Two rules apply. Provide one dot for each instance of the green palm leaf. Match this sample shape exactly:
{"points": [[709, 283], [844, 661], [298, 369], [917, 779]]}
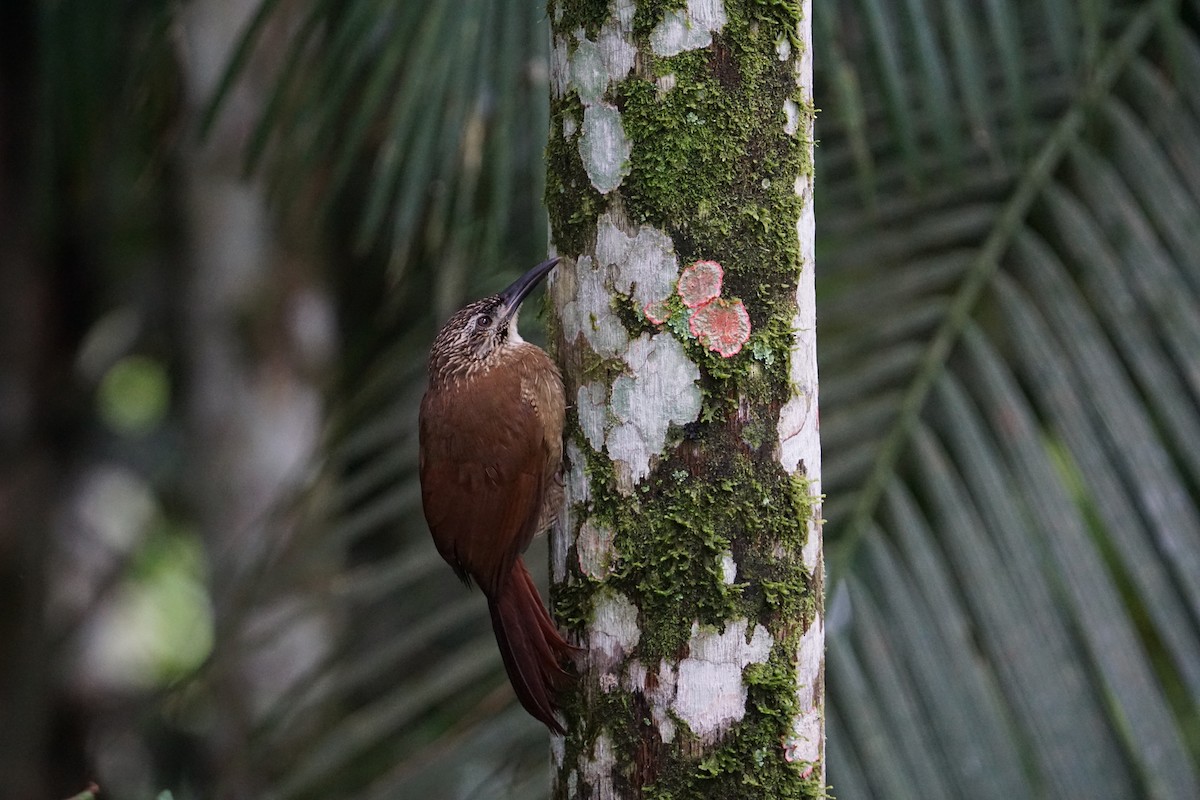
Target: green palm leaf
{"points": [[1020, 502]]}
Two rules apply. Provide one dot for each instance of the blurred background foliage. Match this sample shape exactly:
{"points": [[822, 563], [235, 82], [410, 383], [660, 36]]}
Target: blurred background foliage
{"points": [[229, 229]]}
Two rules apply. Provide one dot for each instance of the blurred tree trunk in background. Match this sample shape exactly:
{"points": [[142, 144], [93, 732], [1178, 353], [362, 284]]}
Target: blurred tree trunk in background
{"points": [[257, 335], [30, 368], [689, 562]]}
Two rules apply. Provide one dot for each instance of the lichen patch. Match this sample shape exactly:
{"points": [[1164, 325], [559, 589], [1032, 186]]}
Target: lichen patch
{"points": [[592, 408], [709, 693], [650, 266], [700, 282], [616, 41], [645, 261], [588, 313], [594, 549], [598, 769], [604, 148], [791, 114], [728, 568], [659, 390], [658, 694], [575, 481], [804, 743], [588, 73], [689, 29], [613, 631], [559, 67], [721, 325]]}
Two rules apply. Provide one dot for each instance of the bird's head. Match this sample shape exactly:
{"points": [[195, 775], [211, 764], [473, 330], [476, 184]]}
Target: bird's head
{"points": [[478, 331]]}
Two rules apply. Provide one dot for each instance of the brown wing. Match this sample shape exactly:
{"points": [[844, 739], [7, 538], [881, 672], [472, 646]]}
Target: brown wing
{"points": [[482, 475]]}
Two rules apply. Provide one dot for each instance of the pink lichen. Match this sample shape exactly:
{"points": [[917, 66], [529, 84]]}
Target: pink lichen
{"points": [[700, 283], [792, 749], [657, 311], [722, 326]]}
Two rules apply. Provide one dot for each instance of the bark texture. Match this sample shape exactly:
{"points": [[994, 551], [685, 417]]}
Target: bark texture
{"points": [[688, 562]]}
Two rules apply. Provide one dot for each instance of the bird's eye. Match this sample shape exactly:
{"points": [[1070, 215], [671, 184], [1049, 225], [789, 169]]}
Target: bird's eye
{"points": [[483, 321]]}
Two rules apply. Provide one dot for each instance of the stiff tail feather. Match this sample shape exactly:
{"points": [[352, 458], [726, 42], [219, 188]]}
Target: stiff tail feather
{"points": [[531, 646]]}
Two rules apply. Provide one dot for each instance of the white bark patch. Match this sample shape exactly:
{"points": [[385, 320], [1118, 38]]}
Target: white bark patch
{"points": [[595, 65], [622, 13], [660, 390], [664, 84], [559, 543], [709, 693], [589, 312], [570, 125], [645, 261], [559, 67], [616, 39], [594, 548], [611, 240], [728, 568], [588, 73], [576, 485], [659, 698], [614, 630], [577, 480], [791, 113], [799, 420], [688, 29], [805, 742], [592, 407], [649, 269], [558, 750], [598, 769], [604, 147], [799, 433]]}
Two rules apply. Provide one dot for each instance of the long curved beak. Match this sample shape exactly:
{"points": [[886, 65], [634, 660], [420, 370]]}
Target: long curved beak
{"points": [[522, 286]]}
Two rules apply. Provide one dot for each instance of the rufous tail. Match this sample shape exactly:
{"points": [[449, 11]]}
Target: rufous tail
{"points": [[531, 646]]}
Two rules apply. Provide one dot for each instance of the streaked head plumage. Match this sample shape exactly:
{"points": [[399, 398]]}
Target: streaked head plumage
{"points": [[479, 332]]}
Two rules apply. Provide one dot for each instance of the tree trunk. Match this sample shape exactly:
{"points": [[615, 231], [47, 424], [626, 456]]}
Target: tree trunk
{"points": [[32, 365], [258, 330], [688, 559]]}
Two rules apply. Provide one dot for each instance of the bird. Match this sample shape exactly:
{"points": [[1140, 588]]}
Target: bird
{"points": [[490, 434]]}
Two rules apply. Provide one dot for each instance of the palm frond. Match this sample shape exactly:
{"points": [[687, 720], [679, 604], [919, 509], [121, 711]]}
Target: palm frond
{"points": [[397, 107], [1011, 502]]}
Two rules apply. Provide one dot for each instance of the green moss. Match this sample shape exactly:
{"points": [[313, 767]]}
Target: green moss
{"points": [[650, 12], [614, 714], [671, 535], [671, 544], [781, 17], [573, 602], [596, 368], [712, 165], [804, 502], [571, 200], [587, 14]]}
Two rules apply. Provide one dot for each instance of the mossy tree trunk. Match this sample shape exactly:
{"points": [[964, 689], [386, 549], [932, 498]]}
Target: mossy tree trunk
{"points": [[688, 560]]}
